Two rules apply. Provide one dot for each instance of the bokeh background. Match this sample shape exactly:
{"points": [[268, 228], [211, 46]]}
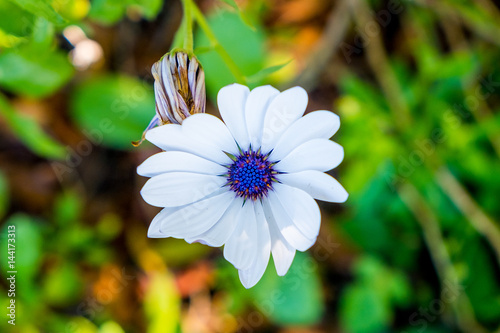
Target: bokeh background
{"points": [[416, 247]]}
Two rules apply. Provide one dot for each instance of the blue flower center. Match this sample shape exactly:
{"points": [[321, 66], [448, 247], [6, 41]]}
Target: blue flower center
{"points": [[251, 175]]}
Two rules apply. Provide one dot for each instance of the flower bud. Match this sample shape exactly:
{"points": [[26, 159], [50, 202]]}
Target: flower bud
{"points": [[179, 89]]}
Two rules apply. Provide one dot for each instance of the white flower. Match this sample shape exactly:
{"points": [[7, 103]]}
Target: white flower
{"points": [[247, 183]]}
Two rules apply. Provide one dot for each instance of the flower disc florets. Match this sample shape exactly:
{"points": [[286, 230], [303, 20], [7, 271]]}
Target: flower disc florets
{"points": [[251, 175]]}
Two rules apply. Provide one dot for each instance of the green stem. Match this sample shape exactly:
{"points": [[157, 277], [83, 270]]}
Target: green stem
{"points": [[178, 42], [188, 19], [200, 19]]}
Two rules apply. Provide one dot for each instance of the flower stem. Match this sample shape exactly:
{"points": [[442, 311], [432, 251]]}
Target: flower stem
{"points": [[200, 19], [188, 25]]}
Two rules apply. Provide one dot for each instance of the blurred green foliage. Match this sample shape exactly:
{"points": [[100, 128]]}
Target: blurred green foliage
{"points": [[372, 297], [296, 298], [112, 11], [421, 138], [30, 132], [116, 108], [230, 31]]}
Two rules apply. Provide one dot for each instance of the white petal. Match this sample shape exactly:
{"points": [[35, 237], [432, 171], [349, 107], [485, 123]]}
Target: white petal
{"points": [[283, 253], [275, 213], [241, 248], [172, 137], [154, 228], [231, 102], [195, 218], [221, 231], [314, 125], [284, 109], [205, 127], [179, 188], [171, 161], [301, 208], [255, 110], [317, 184], [251, 276], [317, 154]]}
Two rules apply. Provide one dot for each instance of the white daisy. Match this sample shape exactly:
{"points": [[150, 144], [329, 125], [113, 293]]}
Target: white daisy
{"points": [[247, 183]]}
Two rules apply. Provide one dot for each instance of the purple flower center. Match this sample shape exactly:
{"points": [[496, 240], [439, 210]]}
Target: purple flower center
{"points": [[251, 175]]}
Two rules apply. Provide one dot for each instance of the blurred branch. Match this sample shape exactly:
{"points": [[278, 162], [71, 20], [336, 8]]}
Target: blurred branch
{"points": [[482, 27], [464, 314], [466, 204], [378, 61], [334, 33], [482, 113], [490, 7]]}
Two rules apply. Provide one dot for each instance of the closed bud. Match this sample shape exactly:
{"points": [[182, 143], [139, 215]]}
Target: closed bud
{"points": [[179, 89]]}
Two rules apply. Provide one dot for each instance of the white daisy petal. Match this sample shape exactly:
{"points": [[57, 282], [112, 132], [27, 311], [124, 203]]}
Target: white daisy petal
{"points": [[179, 188], [283, 110], [221, 231], [317, 184], [196, 218], [172, 137], [275, 213], [314, 125], [283, 253], [301, 208], [251, 276], [231, 101], [317, 154], [241, 248], [171, 161], [255, 110], [206, 127], [154, 227]]}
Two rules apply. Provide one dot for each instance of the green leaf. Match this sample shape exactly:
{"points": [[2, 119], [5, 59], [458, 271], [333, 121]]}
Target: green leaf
{"points": [[294, 299], [19, 22], [362, 311], [30, 133], [43, 33], [372, 297], [148, 8], [40, 8], [108, 11], [110, 327], [28, 246], [380, 217], [33, 72], [62, 284], [263, 74], [231, 3], [482, 289], [244, 17], [8, 40], [113, 110], [230, 32], [67, 208]]}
